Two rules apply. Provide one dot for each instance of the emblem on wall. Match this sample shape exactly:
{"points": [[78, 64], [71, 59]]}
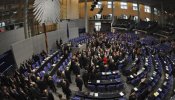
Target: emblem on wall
{"points": [[47, 11]]}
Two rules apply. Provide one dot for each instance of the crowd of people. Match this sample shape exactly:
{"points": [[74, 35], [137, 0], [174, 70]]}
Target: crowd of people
{"points": [[101, 54]]}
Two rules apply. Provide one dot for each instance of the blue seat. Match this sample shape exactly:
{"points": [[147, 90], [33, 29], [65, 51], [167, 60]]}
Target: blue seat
{"points": [[61, 68], [111, 76], [111, 87], [49, 65], [54, 77], [33, 66], [91, 87], [161, 95], [42, 73], [75, 98], [46, 69], [120, 86], [55, 59], [103, 77], [101, 88], [122, 98], [37, 63]]}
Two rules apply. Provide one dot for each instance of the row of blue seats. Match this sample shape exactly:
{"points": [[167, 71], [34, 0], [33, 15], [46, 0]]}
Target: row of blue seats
{"points": [[104, 88], [165, 88], [62, 68]]}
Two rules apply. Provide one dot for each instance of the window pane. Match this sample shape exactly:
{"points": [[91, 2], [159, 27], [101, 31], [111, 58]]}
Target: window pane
{"points": [[110, 4], [147, 9], [3, 24], [135, 6], [98, 16], [155, 11], [97, 26], [135, 18], [147, 19], [123, 5], [99, 5]]}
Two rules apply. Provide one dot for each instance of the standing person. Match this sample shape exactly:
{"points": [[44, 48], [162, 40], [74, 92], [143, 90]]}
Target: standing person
{"points": [[79, 82], [75, 67], [51, 84], [85, 78], [67, 75], [65, 88]]}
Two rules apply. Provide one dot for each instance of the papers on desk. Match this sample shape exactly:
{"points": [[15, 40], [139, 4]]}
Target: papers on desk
{"points": [[157, 63], [165, 83], [146, 64], [154, 73], [54, 65], [133, 63], [143, 79], [135, 89], [61, 57], [96, 94], [98, 81], [160, 89], [151, 78], [97, 66], [91, 93], [167, 76], [103, 73], [131, 76], [42, 62], [165, 62], [167, 68], [156, 94], [114, 72], [89, 82], [108, 73], [47, 58], [121, 94], [140, 71]]}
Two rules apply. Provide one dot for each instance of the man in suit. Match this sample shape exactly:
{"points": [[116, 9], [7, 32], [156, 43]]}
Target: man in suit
{"points": [[51, 84], [65, 88], [67, 75], [79, 82], [34, 92], [41, 85], [85, 78]]}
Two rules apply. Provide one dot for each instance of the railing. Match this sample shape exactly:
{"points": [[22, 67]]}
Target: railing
{"points": [[8, 70], [11, 27]]}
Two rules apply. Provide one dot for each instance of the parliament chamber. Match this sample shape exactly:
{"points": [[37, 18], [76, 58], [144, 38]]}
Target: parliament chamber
{"points": [[87, 50]]}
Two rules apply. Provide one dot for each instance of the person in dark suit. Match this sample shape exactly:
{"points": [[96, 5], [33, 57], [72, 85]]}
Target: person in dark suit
{"points": [[75, 67], [67, 75], [41, 85], [79, 82], [34, 92], [65, 88], [51, 84], [46, 95], [85, 78]]}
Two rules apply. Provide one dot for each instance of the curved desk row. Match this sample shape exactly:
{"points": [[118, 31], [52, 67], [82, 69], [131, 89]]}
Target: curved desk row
{"points": [[99, 96], [46, 60], [105, 82]]}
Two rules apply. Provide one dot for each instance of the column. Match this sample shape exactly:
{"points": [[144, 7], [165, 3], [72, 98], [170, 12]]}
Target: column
{"points": [[26, 19], [138, 10], [112, 10], [86, 16], [152, 13], [162, 13]]}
